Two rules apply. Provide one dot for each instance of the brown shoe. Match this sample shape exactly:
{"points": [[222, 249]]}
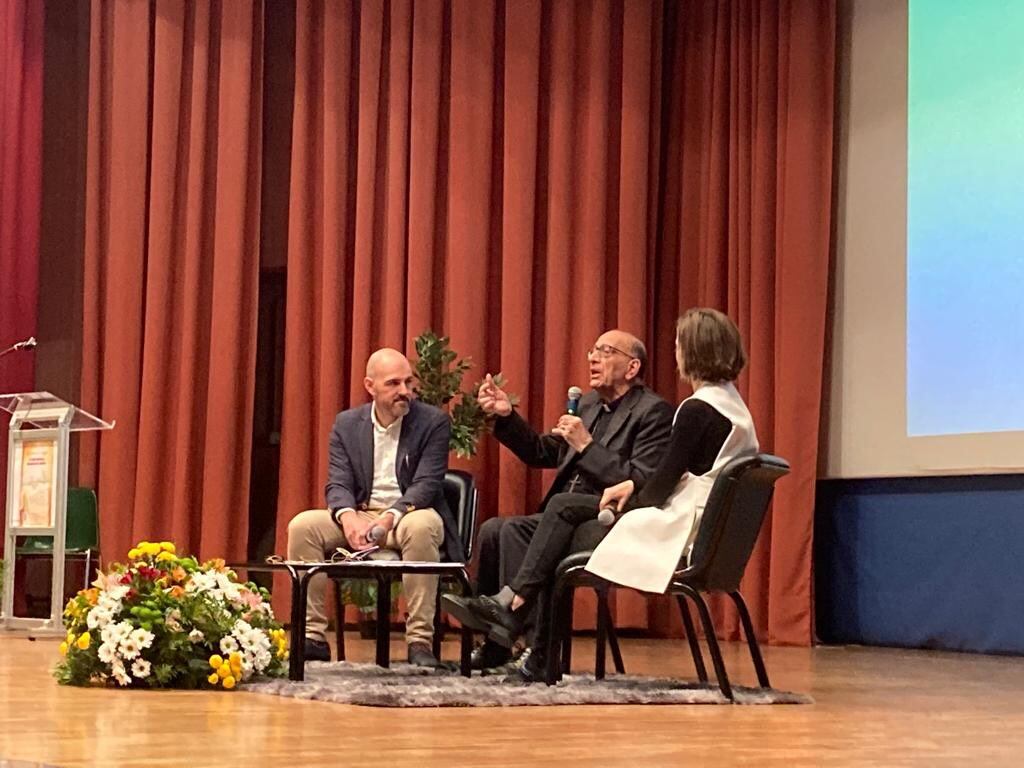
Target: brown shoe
{"points": [[421, 655]]}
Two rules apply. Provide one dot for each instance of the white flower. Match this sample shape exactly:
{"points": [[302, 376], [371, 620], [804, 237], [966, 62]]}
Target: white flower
{"points": [[115, 593], [142, 638], [196, 636], [141, 668], [117, 668], [107, 652], [114, 633], [129, 648], [228, 644]]}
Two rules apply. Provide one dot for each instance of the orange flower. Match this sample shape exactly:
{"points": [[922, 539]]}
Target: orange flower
{"points": [[177, 592], [178, 574], [217, 563], [92, 595]]}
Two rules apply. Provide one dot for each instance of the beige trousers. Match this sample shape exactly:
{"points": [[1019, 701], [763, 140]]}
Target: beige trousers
{"points": [[313, 535]]}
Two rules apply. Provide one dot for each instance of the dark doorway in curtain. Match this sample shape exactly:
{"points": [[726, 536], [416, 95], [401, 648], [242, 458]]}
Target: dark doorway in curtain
{"points": [[267, 406]]}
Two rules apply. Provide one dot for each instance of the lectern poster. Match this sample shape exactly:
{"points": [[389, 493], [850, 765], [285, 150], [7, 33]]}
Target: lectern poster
{"points": [[35, 479]]}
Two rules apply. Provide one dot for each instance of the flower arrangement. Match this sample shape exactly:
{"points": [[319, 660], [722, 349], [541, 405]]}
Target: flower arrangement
{"points": [[165, 621]]}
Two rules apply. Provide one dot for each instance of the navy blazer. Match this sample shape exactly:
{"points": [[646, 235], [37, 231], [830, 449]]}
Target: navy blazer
{"points": [[422, 460]]}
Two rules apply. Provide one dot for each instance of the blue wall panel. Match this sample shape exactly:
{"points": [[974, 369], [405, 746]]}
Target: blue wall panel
{"points": [[922, 562]]}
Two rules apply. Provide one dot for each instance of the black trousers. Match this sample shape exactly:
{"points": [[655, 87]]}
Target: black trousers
{"points": [[549, 541], [501, 544], [569, 524]]}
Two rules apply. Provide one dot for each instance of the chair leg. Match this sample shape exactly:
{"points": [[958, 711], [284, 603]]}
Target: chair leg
{"points": [[601, 641], [613, 643], [558, 633], [691, 637], [88, 567], [613, 638], [339, 621], [752, 644], [568, 609], [712, 641], [438, 625]]}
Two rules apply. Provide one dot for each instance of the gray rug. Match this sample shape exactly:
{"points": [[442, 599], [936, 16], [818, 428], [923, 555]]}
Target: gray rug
{"points": [[404, 685]]}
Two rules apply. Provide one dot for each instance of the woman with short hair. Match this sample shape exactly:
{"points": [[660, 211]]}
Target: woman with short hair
{"points": [[711, 428]]}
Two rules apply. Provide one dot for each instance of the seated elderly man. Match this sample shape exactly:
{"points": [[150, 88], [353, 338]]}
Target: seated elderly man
{"points": [[386, 470], [620, 433]]}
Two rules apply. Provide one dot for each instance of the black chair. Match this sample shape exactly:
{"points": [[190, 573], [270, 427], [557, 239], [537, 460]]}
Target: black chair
{"points": [[725, 539], [462, 496]]}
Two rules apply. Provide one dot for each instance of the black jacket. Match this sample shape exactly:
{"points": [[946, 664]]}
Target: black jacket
{"points": [[630, 448]]}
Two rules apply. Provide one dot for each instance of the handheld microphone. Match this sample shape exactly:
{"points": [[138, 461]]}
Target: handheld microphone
{"points": [[26, 344], [375, 535], [573, 406], [606, 516]]}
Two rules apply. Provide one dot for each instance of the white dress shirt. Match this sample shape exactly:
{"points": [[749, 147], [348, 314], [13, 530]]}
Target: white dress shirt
{"points": [[385, 491]]}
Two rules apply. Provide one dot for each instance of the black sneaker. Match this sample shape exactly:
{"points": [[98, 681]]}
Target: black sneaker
{"points": [[488, 656], [316, 650], [528, 668]]}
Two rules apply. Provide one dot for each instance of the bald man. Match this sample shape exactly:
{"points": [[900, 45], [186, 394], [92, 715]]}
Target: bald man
{"points": [[620, 433], [386, 468]]}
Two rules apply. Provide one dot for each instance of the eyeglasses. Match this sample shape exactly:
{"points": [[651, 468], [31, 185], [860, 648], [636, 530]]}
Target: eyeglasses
{"points": [[607, 350]]}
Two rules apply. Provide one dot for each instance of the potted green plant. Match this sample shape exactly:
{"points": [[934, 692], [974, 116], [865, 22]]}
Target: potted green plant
{"points": [[440, 373]]}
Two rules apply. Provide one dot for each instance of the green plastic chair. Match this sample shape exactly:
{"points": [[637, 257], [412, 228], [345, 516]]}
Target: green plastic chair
{"points": [[82, 535]]}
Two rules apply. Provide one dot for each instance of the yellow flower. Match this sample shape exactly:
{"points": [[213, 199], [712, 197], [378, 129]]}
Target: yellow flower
{"points": [[165, 556], [167, 546], [63, 649], [134, 553], [83, 641], [213, 679], [216, 661], [224, 671], [149, 548], [229, 682], [235, 661]]}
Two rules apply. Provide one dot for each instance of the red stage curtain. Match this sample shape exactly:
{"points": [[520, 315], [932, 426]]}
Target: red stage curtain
{"points": [[21, 136], [522, 175], [171, 269]]}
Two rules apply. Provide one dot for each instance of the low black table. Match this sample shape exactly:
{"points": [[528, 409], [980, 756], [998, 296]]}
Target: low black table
{"points": [[384, 572]]}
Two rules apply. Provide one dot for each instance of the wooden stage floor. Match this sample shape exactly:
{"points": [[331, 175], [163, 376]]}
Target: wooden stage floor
{"points": [[874, 707]]}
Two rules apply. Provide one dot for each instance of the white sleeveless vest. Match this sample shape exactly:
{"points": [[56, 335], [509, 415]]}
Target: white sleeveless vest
{"points": [[646, 545]]}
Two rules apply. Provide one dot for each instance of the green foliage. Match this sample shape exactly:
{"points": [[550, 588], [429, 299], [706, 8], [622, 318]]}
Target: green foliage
{"points": [[362, 593], [440, 373]]}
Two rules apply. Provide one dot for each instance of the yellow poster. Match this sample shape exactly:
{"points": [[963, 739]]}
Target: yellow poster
{"points": [[36, 494]]}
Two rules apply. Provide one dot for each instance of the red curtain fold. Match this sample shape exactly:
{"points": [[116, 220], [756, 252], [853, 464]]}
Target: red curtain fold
{"points": [[171, 269], [522, 175], [21, 137], [517, 174]]}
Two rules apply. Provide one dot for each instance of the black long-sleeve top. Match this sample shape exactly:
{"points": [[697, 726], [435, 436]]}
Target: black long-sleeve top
{"points": [[697, 438]]}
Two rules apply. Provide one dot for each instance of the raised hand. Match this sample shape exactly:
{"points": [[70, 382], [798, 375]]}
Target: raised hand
{"points": [[493, 400]]}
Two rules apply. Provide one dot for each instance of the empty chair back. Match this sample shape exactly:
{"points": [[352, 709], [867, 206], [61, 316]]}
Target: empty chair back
{"points": [[83, 530], [461, 494], [732, 519]]}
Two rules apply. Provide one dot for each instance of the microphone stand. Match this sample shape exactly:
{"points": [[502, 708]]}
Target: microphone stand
{"points": [[28, 343]]}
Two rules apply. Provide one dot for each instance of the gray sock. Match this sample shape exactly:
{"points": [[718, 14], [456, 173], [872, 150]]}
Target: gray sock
{"points": [[505, 597]]}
